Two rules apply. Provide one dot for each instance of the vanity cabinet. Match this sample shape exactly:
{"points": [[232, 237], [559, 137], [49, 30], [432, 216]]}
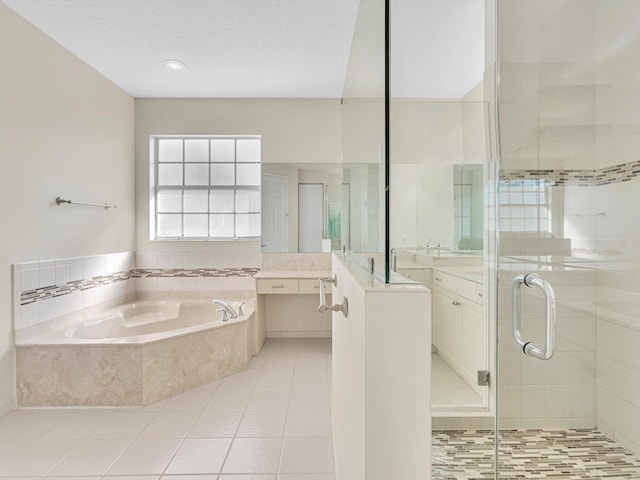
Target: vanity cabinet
{"points": [[287, 304], [460, 325], [280, 286], [415, 274]]}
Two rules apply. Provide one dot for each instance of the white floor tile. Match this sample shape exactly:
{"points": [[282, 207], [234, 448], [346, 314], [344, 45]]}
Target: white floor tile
{"points": [[8, 448], [79, 425], [253, 455], [72, 477], [189, 477], [275, 378], [199, 456], [124, 425], [246, 477], [231, 398], [193, 400], [306, 476], [170, 425], [448, 388], [23, 478], [216, 423], [38, 458], [269, 400], [20, 424], [131, 477], [308, 423], [242, 380], [92, 457], [145, 456], [310, 378], [262, 423], [307, 455], [309, 400]]}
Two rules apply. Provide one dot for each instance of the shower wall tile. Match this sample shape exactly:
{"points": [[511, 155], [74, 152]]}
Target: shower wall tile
{"points": [[559, 393], [618, 358]]}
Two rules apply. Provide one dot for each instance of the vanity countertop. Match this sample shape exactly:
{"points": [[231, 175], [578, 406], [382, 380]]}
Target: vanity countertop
{"points": [[292, 274], [474, 274]]}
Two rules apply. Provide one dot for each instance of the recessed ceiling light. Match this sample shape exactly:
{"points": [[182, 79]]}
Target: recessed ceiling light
{"points": [[174, 64]]}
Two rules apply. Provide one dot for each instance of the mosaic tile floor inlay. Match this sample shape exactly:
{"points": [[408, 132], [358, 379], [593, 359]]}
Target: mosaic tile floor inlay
{"points": [[558, 454]]}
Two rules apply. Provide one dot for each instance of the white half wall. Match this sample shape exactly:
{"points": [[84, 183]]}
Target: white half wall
{"points": [[64, 131], [381, 377]]}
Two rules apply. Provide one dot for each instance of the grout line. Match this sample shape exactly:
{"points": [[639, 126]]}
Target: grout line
{"points": [[233, 439]]}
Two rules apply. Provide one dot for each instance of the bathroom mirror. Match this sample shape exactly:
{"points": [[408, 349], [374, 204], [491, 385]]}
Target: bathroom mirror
{"points": [[437, 156], [301, 207], [468, 205]]}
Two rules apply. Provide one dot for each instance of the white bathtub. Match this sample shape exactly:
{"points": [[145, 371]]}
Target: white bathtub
{"points": [[149, 321], [134, 354]]}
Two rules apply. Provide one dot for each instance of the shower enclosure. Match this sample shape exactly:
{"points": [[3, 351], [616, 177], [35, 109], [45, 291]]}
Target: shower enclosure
{"points": [[553, 126], [565, 165]]}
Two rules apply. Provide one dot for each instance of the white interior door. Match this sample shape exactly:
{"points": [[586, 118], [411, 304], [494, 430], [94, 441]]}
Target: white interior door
{"points": [[310, 216], [275, 213]]}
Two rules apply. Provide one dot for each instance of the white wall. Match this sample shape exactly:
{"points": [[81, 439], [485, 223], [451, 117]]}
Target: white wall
{"points": [[293, 131], [64, 130]]}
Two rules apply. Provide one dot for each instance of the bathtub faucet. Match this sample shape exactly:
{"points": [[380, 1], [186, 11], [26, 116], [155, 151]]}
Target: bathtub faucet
{"points": [[227, 308]]}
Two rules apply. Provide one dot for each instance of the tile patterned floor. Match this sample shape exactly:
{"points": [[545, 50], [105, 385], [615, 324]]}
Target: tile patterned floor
{"points": [[562, 454], [271, 422]]}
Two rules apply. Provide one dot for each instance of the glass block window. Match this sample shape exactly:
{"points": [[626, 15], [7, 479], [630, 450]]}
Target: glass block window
{"points": [[206, 188], [525, 205]]}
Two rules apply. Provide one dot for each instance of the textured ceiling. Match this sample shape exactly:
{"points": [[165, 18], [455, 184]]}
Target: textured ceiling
{"points": [[260, 48]]}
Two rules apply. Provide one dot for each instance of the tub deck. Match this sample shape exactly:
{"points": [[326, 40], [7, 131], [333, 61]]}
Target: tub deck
{"points": [[70, 367]]}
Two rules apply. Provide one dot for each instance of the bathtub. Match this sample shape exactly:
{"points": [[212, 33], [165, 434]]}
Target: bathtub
{"points": [[151, 320], [134, 354]]}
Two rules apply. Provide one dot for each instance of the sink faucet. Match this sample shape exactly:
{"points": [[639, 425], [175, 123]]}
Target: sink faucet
{"points": [[429, 249], [227, 308]]}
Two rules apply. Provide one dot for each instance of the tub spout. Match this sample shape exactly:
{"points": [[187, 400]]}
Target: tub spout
{"points": [[227, 308]]}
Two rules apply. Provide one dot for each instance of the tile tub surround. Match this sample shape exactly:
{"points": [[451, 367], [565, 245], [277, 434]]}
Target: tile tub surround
{"points": [[128, 375], [45, 290], [48, 289]]}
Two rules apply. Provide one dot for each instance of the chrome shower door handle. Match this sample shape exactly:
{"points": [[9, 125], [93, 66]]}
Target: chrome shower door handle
{"points": [[530, 348]]}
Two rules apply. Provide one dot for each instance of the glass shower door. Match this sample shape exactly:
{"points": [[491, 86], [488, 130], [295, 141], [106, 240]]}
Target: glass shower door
{"points": [[565, 208]]}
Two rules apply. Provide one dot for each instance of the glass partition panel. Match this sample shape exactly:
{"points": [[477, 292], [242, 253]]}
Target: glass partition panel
{"points": [[363, 134], [436, 137]]}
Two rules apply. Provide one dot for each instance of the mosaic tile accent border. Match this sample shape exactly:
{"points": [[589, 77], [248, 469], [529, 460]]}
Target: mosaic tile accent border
{"points": [[623, 172], [52, 291], [195, 272], [566, 454]]}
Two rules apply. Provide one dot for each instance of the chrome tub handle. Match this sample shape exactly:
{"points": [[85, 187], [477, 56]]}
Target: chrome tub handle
{"points": [[530, 348]]}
